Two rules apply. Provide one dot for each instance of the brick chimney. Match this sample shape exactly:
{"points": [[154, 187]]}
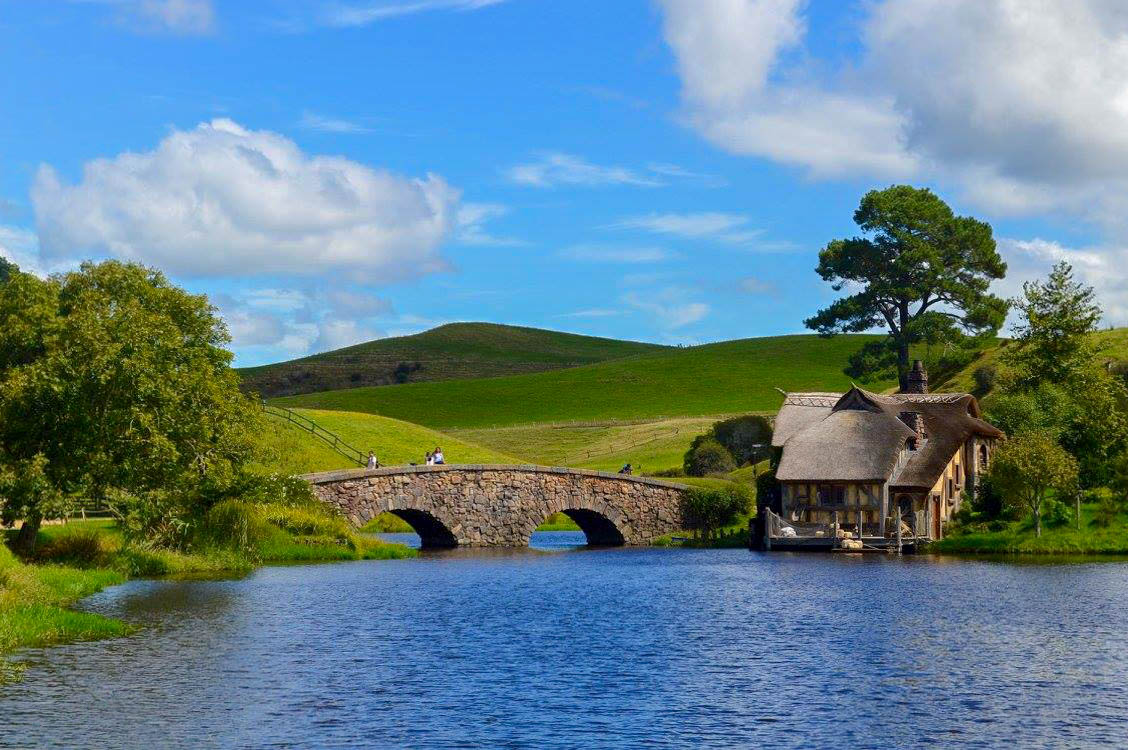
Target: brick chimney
{"points": [[917, 380], [915, 422]]}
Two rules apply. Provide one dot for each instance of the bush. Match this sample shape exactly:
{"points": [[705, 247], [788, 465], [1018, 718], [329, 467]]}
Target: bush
{"points": [[705, 510], [1108, 505], [707, 456], [747, 438], [677, 471], [985, 377], [78, 547], [235, 525], [1057, 513]]}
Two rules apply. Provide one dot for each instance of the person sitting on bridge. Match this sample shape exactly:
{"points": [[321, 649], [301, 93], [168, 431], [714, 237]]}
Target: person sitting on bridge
{"points": [[626, 469], [437, 456], [372, 462], [430, 459]]}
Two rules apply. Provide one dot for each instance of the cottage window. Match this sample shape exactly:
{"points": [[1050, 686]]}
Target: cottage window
{"points": [[832, 494]]}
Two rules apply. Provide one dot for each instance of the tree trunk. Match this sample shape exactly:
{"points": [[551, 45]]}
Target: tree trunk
{"points": [[27, 536], [1038, 522], [903, 364]]}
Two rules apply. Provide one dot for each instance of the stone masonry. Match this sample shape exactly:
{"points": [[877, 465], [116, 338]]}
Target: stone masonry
{"points": [[500, 506]]}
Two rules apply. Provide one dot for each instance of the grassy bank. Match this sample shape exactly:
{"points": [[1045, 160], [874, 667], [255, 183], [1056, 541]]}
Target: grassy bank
{"points": [[80, 558], [1017, 537]]}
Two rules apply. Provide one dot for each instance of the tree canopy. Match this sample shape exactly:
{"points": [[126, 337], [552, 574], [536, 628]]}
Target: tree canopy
{"points": [[920, 272], [1052, 335], [114, 384], [1027, 466]]}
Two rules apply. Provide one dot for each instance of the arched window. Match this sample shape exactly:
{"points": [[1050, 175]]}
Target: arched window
{"points": [[982, 457]]}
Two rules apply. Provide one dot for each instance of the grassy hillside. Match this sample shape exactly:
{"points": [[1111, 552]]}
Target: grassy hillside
{"points": [[1112, 344], [292, 450], [649, 446], [455, 351], [726, 378]]}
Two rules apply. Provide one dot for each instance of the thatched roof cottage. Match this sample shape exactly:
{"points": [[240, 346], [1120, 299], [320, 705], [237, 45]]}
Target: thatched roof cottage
{"points": [[859, 457]]}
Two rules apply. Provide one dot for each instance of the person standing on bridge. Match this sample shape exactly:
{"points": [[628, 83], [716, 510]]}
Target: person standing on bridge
{"points": [[372, 462]]}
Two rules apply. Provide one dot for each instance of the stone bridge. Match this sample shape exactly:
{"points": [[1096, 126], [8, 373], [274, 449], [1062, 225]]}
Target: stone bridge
{"points": [[501, 506]]}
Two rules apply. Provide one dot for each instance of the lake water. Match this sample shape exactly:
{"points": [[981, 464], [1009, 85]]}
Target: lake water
{"points": [[615, 648]]}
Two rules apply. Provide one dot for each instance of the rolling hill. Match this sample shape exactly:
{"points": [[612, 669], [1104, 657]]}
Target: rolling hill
{"points": [[449, 352], [725, 378], [291, 450]]}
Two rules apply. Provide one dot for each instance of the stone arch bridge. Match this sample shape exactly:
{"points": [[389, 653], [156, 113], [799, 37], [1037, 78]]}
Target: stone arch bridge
{"points": [[501, 506]]}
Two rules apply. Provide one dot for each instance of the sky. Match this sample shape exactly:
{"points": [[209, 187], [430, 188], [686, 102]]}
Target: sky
{"points": [[658, 170]]}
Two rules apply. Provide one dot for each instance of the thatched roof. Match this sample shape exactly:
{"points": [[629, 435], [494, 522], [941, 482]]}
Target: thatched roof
{"points": [[860, 436]]}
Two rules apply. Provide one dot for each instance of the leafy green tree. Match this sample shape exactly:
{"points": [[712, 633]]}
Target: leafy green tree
{"points": [[1053, 384], [1026, 467], [707, 456], [114, 384], [748, 438], [7, 270], [1052, 336], [922, 274]]}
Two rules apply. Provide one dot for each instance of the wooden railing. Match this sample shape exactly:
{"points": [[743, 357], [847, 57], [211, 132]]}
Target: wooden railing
{"points": [[332, 439]]}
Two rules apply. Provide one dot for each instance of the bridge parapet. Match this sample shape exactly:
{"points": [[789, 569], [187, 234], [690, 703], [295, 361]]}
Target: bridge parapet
{"points": [[501, 505]]}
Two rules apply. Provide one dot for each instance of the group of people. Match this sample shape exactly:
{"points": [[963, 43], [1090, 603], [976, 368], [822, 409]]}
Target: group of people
{"points": [[435, 458]]}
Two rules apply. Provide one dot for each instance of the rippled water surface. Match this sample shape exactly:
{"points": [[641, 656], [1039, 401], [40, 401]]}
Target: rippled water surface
{"points": [[617, 648]]}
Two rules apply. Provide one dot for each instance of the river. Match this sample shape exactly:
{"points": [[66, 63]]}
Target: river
{"points": [[612, 648]]}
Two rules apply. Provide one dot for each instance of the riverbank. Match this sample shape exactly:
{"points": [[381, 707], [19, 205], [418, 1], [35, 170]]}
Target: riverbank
{"points": [[1017, 537], [81, 558]]}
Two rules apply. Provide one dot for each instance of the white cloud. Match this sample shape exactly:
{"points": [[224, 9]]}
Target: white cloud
{"points": [[594, 312], [1105, 268], [162, 16], [221, 200], [472, 218], [363, 15], [729, 58], [336, 334], [752, 285], [614, 254], [1022, 105], [668, 306], [21, 246], [554, 169], [729, 228], [324, 124]]}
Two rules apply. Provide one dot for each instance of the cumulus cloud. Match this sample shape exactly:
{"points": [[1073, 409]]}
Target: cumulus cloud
{"points": [[1021, 104], [224, 200], [1104, 267], [669, 307]]}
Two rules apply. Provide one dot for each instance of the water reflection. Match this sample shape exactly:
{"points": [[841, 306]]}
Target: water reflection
{"points": [[598, 648]]}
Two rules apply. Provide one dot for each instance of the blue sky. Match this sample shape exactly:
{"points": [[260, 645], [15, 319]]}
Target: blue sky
{"points": [[661, 170]]}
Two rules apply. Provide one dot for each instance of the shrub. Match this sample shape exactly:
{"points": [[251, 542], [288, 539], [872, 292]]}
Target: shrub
{"points": [[1108, 505], [985, 377], [707, 456], [77, 547], [705, 510], [747, 438], [233, 524], [677, 471]]}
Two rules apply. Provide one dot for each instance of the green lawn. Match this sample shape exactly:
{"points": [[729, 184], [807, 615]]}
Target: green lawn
{"points": [[734, 377], [1018, 538], [453, 351], [649, 446], [291, 450]]}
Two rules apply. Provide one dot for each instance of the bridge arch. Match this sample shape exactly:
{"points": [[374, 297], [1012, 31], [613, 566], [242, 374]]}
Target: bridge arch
{"points": [[487, 505]]}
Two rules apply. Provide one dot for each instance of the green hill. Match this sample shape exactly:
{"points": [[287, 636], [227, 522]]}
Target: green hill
{"points": [[726, 378], [292, 450], [450, 352]]}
